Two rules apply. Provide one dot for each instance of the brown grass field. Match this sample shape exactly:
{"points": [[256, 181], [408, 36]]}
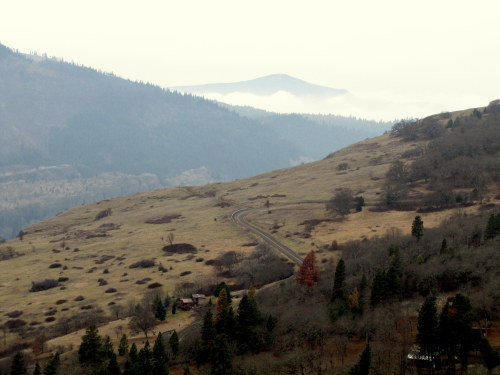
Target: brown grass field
{"points": [[78, 242]]}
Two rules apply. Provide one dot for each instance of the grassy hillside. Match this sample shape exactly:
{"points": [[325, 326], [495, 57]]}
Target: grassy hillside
{"points": [[102, 240]]}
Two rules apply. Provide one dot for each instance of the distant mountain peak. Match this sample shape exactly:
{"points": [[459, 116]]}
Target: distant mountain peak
{"points": [[266, 85]]}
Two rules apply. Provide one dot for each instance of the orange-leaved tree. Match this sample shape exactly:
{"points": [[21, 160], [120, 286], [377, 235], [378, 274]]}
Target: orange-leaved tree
{"points": [[308, 273]]}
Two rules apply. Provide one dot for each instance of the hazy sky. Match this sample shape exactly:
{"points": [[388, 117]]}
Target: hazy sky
{"points": [[395, 57]]}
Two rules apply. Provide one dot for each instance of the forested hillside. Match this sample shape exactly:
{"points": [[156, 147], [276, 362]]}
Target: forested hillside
{"points": [[73, 134]]}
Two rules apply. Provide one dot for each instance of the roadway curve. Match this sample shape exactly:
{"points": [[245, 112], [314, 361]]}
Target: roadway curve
{"points": [[239, 218]]}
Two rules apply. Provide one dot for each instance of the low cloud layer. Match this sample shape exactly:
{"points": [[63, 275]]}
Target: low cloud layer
{"points": [[371, 105]]}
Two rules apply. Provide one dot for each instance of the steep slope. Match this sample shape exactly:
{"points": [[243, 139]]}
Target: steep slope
{"points": [[102, 240]]}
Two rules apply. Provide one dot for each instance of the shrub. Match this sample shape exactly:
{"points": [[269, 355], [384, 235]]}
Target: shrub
{"points": [[14, 314], [61, 301], [144, 263], [15, 324], [185, 273], [50, 319], [111, 290], [102, 214], [37, 286], [55, 265], [79, 298], [102, 282], [62, 279], [154, 285]]}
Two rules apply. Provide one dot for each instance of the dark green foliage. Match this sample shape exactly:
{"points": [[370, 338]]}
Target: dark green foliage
{"points": [[341, 203], [174, 308], [417, 228], [492, 227], [456, 336], [159, 309], [37, 370], [247, 320], [359, 203], [427, 336], [107, 348], [221, 358], [90, 351], [186, 371], [17, 366], [444, 247], [145, 359], [270, 323], [339, 287], [223, 286], [173, 342], [113, 367], [52, 365], [363, 366], [207, 338], [37, 286], [132, 354], [123, 346], [159, 357]]}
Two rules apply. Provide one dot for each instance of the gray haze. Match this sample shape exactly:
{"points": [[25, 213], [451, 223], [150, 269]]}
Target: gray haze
{"points": [[396, 58]]}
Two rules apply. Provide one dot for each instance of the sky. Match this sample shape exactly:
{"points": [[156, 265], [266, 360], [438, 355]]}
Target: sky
{"points": [[396, 58]]}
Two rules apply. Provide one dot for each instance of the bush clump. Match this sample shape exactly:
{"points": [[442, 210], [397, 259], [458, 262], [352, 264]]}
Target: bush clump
{"points": [[38, 286], [144, 263]]}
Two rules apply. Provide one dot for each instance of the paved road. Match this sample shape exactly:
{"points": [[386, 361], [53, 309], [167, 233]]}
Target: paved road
{"points": [[238, 217]]}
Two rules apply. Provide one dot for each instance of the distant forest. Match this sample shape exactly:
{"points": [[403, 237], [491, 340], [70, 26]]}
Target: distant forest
{"points": [[83, 123]]}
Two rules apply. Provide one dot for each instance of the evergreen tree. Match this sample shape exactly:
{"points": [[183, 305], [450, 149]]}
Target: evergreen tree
{"points": [[173, 341], [186, 371], [339, 287], [132, 354], [444, 247], [174, 308], [427, 336], [455, 331], [37, 370], [107, 348], [417, 228], [363, 366], [207, 338], [223, 286], [160, 357], [113, 367], [159, 308], [145, 359], [18, 367], [90, 351], [308, 273], [221, 358], [493, 227], [52, 364], [123, 346]]}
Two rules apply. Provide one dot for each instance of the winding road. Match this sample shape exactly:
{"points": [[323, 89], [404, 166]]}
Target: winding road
{"points": [[239, 218]]}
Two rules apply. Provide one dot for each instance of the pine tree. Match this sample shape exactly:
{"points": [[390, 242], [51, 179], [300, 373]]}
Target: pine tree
{"points": [[113, 368], [223, 286], [145, 359], [159, 357], [427, 336], [52, 364], [123, 346], [308, 273], [37, 370], [90, 353], [339, 287], [363, 366], [493, 227], [132, 354], [444, 247], [173, 342], [221, 358], [159, 308], [18, 367], [207, 338], [417, 228], [107, 348]]}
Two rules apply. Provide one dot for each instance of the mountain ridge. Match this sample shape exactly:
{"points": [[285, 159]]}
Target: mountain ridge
{"points": [[265, 85]]}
